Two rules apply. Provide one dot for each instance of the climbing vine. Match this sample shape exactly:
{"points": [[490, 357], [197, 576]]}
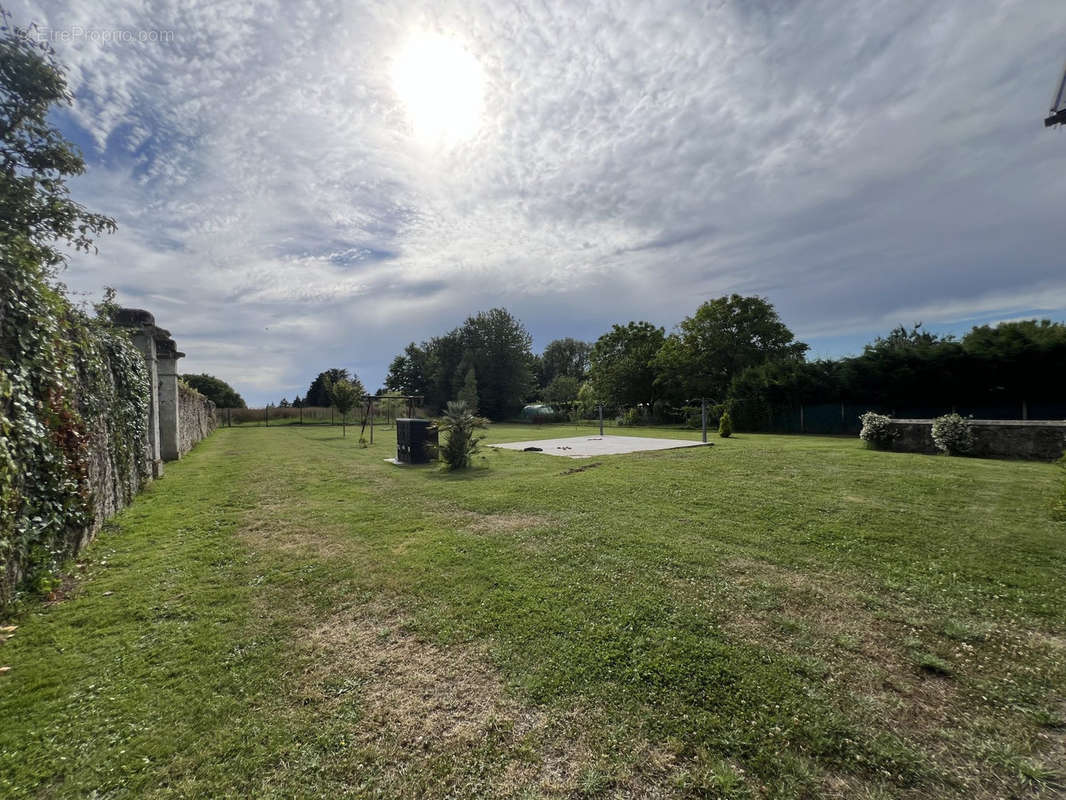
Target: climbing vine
{"points": [[73, 388]]}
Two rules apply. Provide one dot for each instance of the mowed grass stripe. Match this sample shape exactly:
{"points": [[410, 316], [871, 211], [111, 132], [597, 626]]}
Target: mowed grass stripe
{"points": [[773, 616]]}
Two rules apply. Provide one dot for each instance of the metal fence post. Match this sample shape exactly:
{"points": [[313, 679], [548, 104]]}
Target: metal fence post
{"points": [[703, 415], [601, 419]]}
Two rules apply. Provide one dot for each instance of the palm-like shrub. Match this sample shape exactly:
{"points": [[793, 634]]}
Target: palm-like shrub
{"points": [[458, 425], [952, 434]]}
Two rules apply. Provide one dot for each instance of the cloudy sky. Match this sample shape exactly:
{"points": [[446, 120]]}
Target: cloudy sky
{"points": [[301, 185]]}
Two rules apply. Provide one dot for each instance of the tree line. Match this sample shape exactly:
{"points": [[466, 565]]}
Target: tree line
{"points": [[734, 352]]}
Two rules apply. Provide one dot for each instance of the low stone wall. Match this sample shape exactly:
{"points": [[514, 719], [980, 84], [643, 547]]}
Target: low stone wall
{"points": [[196, 418], [1033, 440]]}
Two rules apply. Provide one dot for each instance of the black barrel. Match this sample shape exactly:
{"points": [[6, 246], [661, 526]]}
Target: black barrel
{"points": [[415, 438]]}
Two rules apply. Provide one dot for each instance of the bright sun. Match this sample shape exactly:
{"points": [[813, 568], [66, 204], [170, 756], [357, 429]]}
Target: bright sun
{"points": [[441, 85]]}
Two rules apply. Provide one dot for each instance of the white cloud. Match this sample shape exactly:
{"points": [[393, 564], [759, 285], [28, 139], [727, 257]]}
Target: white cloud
{"points": [[280, 214]]}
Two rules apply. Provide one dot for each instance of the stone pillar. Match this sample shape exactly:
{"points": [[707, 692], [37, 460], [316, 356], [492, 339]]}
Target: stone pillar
{"points": [[169, 409], [143, 333]]}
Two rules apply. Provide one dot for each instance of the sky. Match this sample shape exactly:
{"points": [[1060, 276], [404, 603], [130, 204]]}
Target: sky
{"points": [[304, 185]]}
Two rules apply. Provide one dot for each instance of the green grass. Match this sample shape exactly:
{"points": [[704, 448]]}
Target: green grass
{"points": [[285, 614]]}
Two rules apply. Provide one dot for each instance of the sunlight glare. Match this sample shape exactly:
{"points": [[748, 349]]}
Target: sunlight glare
{"points": [[440, 83]]}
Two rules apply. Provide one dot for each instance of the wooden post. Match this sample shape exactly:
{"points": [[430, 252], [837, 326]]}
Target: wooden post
{"points": [[371, 420], [266, 414], [601, 420], [703, 415], [301, 415], [331, 422], [802, 430]]}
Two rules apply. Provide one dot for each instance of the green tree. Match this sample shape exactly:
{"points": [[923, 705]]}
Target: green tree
{"points": [[568, 357], [493, 342], [408, 371], [909, 368], [318, 393], [458, 425], [36, 212], [344, 396], [216, 390], [1022, 360], [498, 346], [562, 389], [468, 394], [724, 337], [587, 399], [621, 364]]}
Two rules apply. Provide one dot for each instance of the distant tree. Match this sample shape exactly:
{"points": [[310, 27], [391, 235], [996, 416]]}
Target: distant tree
{"points": [[909, 368], [458, 425], [498, 346], [587, 399], [468, 394], [724, 337], [216, 390], [297, 403], [493, 343], [1022, 360], [562, 389], [344, 396], [564, 357], [621, 363], [318, 393], [284, 403], [408, 371]]}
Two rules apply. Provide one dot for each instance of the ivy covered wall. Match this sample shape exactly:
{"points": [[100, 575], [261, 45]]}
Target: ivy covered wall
{"points": [[73, 426], [80, 412]]}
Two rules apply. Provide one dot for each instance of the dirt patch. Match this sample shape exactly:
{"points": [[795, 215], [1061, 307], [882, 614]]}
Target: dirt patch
{"points": [[269, 525], [509, 522], [575, 470], [422, 704], [418, 692]]}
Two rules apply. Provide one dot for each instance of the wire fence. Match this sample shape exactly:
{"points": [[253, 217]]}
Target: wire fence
{"points": [[384, 414]]}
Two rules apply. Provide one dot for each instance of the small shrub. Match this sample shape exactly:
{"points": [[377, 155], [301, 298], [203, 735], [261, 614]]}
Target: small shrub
{"points": [[953, 434], [628, 418], [459, 424], [877, 430], [725, 425]]}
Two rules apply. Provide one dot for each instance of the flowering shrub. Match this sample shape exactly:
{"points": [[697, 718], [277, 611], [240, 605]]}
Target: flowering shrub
{"points": [[877, 430], [952, 434]]}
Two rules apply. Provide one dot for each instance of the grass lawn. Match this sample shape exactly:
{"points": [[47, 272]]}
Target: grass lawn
{"points": [[286, 615]]}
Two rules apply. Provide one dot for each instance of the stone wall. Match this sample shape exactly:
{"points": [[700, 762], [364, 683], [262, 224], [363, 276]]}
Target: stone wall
{"points": [[1033, 440], [196, 418], [115, 473]]}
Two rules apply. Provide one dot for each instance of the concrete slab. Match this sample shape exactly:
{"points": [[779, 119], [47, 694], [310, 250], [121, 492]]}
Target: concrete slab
{"points": [[589, 446]]}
